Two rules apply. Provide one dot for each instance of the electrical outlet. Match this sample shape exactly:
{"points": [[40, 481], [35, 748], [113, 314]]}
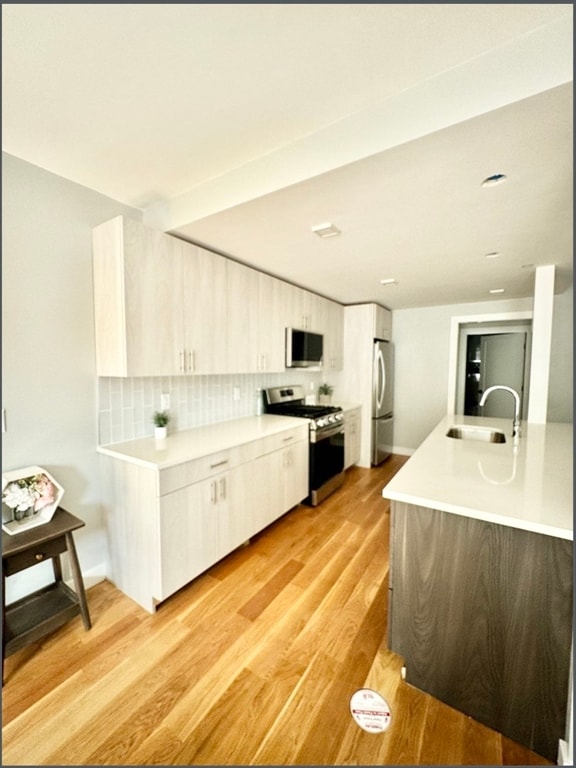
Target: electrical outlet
{"points": [[236, 393], [164, 402]]}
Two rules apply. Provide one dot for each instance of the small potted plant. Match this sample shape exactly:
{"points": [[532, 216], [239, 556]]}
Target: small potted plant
{"points": [[325, 393], [161, 419]]}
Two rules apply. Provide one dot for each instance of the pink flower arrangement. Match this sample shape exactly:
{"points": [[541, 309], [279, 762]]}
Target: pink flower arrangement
{"points": [[34, 492]]}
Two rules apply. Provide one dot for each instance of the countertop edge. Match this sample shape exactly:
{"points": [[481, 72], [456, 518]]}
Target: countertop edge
{"points": [[479, 514], [437, 475], [252, 432]]}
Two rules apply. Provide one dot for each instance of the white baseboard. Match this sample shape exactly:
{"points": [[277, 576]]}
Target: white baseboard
{"points": [[564, 756], [403, 451]]}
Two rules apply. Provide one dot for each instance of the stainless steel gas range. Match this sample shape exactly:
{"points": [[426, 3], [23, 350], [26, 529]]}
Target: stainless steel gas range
{"points": [[326, 471]]}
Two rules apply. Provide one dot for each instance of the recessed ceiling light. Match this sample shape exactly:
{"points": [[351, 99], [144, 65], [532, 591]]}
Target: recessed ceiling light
{"points": [[388, 281], [497, 290], [492, 255], [497, 178], [326, 230]]}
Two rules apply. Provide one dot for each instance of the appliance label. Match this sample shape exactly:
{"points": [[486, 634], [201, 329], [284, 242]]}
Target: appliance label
{"points": [[370, 710]]}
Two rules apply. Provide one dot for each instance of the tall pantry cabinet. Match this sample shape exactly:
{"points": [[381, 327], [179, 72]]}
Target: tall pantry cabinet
{"points": [[362, 324]]}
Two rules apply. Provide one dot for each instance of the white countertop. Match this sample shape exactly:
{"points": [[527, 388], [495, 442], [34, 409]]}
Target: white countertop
{"points": [[525, 483], [190, 444], [348, 406]]}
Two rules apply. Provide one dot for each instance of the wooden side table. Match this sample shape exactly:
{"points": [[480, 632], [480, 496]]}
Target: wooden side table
{"points": [[43, 611]]}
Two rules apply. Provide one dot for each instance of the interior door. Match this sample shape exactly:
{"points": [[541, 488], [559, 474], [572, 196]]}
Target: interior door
{"points": [[502, 358]]}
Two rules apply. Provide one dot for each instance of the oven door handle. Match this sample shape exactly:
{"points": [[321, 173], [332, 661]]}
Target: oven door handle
{"points": [[317, 436]]}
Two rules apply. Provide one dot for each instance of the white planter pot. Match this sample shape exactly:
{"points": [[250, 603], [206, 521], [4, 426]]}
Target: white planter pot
{"points": [[160, 433]]}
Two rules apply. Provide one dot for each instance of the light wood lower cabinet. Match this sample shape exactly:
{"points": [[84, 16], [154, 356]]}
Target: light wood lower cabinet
{"points": [[189, 535], [283, 482], [167, 526], [482, 615], [352, 436]]}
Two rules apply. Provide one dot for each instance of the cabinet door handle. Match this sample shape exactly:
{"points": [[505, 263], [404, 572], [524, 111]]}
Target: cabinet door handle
{"points": [[222, 484], [182, 362], [213, 493], [287, 439], [219, 464], [191, 361], [39, 556]]}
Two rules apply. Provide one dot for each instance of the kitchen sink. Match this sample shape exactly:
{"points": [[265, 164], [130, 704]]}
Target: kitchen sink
{"points": [[485, 434]]}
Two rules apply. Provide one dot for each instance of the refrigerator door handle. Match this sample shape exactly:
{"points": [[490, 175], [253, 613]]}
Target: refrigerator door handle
{"points": [[379, 379]]}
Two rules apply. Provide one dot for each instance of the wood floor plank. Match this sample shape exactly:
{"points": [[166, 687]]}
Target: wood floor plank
{"points": [[27, 740], [237, 722], [258, 603], [253, 663], [284, 739], [158, 748]]}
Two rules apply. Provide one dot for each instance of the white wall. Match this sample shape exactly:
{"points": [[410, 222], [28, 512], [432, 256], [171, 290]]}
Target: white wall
{"points": [[48, 370], [421, 340], [561, 387]]}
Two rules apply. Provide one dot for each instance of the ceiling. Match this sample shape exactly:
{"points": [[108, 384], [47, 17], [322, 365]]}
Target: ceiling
{"points": [[242, 126]]}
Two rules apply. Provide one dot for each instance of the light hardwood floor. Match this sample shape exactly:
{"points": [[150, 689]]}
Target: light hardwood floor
{"points": [[254, 663]]}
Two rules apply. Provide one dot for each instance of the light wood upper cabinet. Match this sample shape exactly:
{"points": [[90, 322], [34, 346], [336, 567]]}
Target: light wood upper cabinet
{"points": [[242, 294], [205, 310], [271, 355], [160, 303], [166, 307], [137, 299], [301, 308], [382, 323], [333, 330], [254, 327]]}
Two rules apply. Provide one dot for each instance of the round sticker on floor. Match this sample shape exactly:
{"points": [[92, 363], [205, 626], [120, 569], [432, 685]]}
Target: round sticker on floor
{"points": [[370, 710]]}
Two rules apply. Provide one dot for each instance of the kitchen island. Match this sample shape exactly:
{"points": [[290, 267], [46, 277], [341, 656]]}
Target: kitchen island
{"points": [[481, 575]]}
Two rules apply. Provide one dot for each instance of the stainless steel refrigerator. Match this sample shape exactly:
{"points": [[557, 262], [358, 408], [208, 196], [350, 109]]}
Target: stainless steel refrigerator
{"points": [[382, 401]]}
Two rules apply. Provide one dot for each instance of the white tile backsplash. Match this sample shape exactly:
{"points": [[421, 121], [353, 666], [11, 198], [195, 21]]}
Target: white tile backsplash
{"points": [[125, 406]]}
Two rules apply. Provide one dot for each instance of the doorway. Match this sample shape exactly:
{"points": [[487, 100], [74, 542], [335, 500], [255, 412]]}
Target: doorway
{"points": [[494, 358], [499, 352]]}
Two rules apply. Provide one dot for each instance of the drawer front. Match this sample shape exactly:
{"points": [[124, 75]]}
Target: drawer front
{"points": [[283, 439], [34, 555], [189, 472]]}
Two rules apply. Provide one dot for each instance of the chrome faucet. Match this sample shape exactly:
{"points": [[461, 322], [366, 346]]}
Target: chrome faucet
{"points": [[516, 422]]}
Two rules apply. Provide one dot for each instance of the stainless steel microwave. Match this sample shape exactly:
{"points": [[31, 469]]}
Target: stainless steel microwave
{"points": [[304, 349]]}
